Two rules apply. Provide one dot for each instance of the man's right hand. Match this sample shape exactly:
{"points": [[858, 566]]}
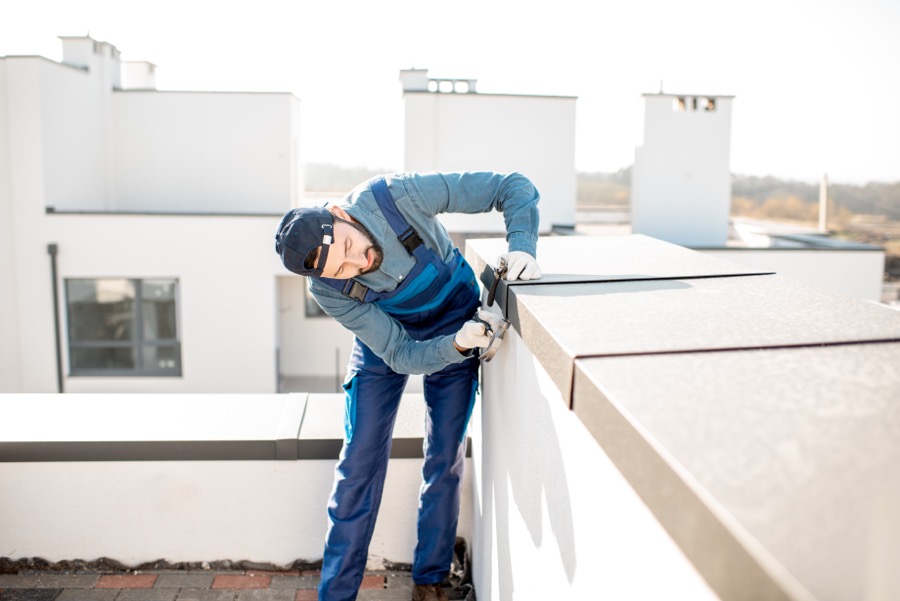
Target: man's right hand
{"points": [[520, 266]]}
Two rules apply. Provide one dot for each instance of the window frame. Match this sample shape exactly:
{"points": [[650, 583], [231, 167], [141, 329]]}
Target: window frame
{"points": [[311, 309], [137, 343]]}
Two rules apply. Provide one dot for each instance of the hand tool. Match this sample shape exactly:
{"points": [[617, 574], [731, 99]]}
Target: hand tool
{"points": [[493, 346], [499, 272], [496, 336]]}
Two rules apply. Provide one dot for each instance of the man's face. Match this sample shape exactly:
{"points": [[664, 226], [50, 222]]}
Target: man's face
{"points": [[353, 252]]}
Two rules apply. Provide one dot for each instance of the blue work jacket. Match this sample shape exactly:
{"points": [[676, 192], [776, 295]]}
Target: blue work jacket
{"points": [[420, 197]]}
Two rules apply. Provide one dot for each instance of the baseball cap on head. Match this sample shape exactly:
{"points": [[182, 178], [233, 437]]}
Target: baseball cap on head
{"points": [[300, 232]]}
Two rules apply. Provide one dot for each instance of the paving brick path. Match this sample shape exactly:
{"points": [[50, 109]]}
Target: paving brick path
{"points": [[174, 585]]}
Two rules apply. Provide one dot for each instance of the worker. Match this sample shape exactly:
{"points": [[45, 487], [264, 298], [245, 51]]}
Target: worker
{"points": [[381, 264]]}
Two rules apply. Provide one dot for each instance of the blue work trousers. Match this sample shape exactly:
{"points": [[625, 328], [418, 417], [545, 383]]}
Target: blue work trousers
{"points": [[373, 394]]}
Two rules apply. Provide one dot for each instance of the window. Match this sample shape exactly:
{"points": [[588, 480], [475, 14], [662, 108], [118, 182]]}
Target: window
{"points": [[121, 327], [311, 307]]}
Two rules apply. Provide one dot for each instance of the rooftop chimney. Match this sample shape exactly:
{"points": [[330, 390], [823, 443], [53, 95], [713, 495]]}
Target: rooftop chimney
{"points": [[417, 80], [78, 51], [138, 75], [84, 52], [414, 80]]}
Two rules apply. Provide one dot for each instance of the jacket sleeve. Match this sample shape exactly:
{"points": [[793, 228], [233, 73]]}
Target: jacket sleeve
{"points": [[513, 194], [385, 336]]}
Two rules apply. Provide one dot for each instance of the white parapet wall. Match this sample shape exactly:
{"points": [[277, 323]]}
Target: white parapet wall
{"points": [[549, 501], [192, 478], [179, 511], [662, 424]]}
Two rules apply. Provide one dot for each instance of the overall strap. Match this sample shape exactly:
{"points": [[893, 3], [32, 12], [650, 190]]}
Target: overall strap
{"points": [[404, 231], [352, 289]]}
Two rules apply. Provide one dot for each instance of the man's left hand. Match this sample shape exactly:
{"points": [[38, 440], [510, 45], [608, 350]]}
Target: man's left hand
{"points": [[520, 266], [493, 320]]}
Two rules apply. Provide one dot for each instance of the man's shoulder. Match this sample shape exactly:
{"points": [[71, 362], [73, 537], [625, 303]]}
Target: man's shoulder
{"points": [[320, 289]]}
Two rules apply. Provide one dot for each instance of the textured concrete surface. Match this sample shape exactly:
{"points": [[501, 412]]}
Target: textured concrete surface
{"points": [[566, 321], [791, 453]]}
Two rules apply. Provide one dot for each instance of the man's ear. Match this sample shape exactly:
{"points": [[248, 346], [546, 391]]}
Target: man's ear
{"points": [[339, 212]]}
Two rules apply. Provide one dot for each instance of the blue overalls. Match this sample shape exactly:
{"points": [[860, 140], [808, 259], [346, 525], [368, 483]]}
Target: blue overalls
{"points": [[435, 299]]}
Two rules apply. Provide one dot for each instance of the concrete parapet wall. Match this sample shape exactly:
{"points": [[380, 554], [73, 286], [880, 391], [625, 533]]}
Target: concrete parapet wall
{"points": [[189, 478], [754, 417]]}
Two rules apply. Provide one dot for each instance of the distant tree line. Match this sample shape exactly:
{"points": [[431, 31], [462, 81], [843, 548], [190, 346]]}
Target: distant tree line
{"points": [[752, 195], [605, 189], [753, 192], [762, 196]]}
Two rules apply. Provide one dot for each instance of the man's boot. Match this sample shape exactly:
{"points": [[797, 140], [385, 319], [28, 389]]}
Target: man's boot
{"points": [[428, 592]]}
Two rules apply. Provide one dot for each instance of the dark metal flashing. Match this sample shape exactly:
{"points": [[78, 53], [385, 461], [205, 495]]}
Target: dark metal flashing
{"points": [[181, 450], [505, 289], [194, 450], [330, 448]]}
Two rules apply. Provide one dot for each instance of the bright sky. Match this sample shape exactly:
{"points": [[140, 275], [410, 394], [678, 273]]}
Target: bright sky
{"points": [[817, 82]]}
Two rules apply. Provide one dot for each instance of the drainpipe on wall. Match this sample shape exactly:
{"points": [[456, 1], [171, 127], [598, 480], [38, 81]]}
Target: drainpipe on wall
{"points": [[51, 250], [337, 369]]}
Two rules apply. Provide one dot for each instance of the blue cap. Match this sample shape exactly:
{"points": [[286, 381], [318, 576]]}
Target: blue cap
{"points": [[300, 232]]}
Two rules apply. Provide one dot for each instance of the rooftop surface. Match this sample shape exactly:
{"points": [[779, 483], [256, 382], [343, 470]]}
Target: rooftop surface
{"points": [[196, 585]]}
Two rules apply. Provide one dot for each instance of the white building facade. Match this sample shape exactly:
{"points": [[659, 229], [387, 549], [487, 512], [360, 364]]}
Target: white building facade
{"points": [[449, 126], [136, 231], [681, 193], [137, 225]]}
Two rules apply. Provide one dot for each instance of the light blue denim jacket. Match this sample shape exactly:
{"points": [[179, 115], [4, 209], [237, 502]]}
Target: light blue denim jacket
{"points": [[419, 197]]}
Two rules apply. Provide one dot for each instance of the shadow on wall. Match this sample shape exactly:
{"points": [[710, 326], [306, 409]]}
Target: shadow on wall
{"points": [[526, 460]]}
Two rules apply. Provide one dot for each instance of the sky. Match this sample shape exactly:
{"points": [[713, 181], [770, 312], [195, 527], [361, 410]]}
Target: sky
{"points": [[816, 83]]}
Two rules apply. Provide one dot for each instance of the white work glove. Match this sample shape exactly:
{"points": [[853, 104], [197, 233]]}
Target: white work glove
{"points": [[474, 334], [493, 320], [520, 266]]}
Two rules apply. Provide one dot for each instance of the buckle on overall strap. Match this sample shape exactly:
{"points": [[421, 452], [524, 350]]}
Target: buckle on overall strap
{"points": [[355, 290], [410, 239]]}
